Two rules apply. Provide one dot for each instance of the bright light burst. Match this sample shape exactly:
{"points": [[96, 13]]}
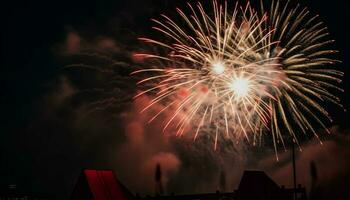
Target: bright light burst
{"points": [[234, 72], [240, 87], [218, 68]]}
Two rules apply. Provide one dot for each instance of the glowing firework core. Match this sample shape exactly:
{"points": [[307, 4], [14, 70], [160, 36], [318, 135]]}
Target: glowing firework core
{"points": [[218, 68], [240, 87]]}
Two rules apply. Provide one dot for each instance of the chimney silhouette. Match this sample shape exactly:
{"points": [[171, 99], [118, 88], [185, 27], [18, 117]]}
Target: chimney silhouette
{"points": [[222, 180], [315, 189], [158, 178], [313, 172], [294, 171]]}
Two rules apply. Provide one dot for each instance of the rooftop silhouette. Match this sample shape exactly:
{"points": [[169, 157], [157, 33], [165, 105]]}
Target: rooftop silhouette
{"points": [[104, 185]]}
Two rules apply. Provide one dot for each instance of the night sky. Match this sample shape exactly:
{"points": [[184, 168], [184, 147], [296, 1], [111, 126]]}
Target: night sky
{"points": [[48, 132]]}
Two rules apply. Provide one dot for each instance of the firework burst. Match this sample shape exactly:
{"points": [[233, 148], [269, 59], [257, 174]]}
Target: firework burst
{"points": [[236, 72]]}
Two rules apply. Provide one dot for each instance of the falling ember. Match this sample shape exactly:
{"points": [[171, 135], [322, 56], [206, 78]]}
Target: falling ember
{"points": [[242, 72], [204, 89]]}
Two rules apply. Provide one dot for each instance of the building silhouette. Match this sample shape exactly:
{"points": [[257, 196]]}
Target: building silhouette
{"points": [[254, 185], [100, 185]]}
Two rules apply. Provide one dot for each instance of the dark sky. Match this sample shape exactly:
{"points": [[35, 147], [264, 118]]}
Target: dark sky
{"points": [[43, 144]]}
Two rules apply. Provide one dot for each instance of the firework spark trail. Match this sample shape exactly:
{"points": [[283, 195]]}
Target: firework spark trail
{"points": [[242, 72]]}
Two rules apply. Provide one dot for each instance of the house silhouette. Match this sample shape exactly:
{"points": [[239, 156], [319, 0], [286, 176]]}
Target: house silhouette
{"points": [[254, 185]]}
